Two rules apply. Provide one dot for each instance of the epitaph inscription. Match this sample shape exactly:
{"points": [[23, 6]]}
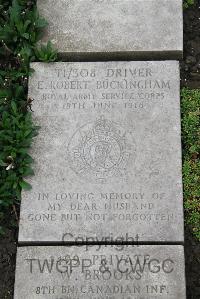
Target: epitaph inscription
{"points": [[108, 153], [147, 272]]}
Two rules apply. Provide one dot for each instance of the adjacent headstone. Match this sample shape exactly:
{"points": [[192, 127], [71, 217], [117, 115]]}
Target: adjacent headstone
{"points": [[108, 154], [102, 272], [120, 29]]}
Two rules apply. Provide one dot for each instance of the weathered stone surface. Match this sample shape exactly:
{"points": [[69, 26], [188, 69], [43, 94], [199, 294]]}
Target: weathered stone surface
{"points": [[114, 28], [108, 154], [152, 272]]}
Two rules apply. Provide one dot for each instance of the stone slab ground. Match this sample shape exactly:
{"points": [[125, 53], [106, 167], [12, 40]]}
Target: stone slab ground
{"points": [[108, 154], [151, 272], [120, 29]]}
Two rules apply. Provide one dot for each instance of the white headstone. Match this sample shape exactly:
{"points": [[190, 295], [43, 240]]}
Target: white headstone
{"points": [[108, 154], [103, 272], [111, 29]]}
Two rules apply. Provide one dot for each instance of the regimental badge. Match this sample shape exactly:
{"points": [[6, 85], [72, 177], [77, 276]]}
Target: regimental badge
{"points": [[101, 151]]}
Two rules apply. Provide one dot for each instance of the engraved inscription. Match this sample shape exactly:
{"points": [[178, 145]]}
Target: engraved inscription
{"points": [[146, 272]]}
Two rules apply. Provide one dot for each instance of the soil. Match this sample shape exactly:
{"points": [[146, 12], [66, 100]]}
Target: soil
{"points": [[8, 246], [190, 66], [190, 77]]}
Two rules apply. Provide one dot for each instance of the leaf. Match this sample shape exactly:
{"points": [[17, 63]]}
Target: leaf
{"points": [[15, 11], [2, 164], [26, 24], [28, 172], [2, 231], [25, 35], [14, 107], [41, 23], [24, 185]]}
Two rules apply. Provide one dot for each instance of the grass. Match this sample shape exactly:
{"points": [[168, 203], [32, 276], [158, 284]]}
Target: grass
{"points": [[190, 107], [188, 3]]}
